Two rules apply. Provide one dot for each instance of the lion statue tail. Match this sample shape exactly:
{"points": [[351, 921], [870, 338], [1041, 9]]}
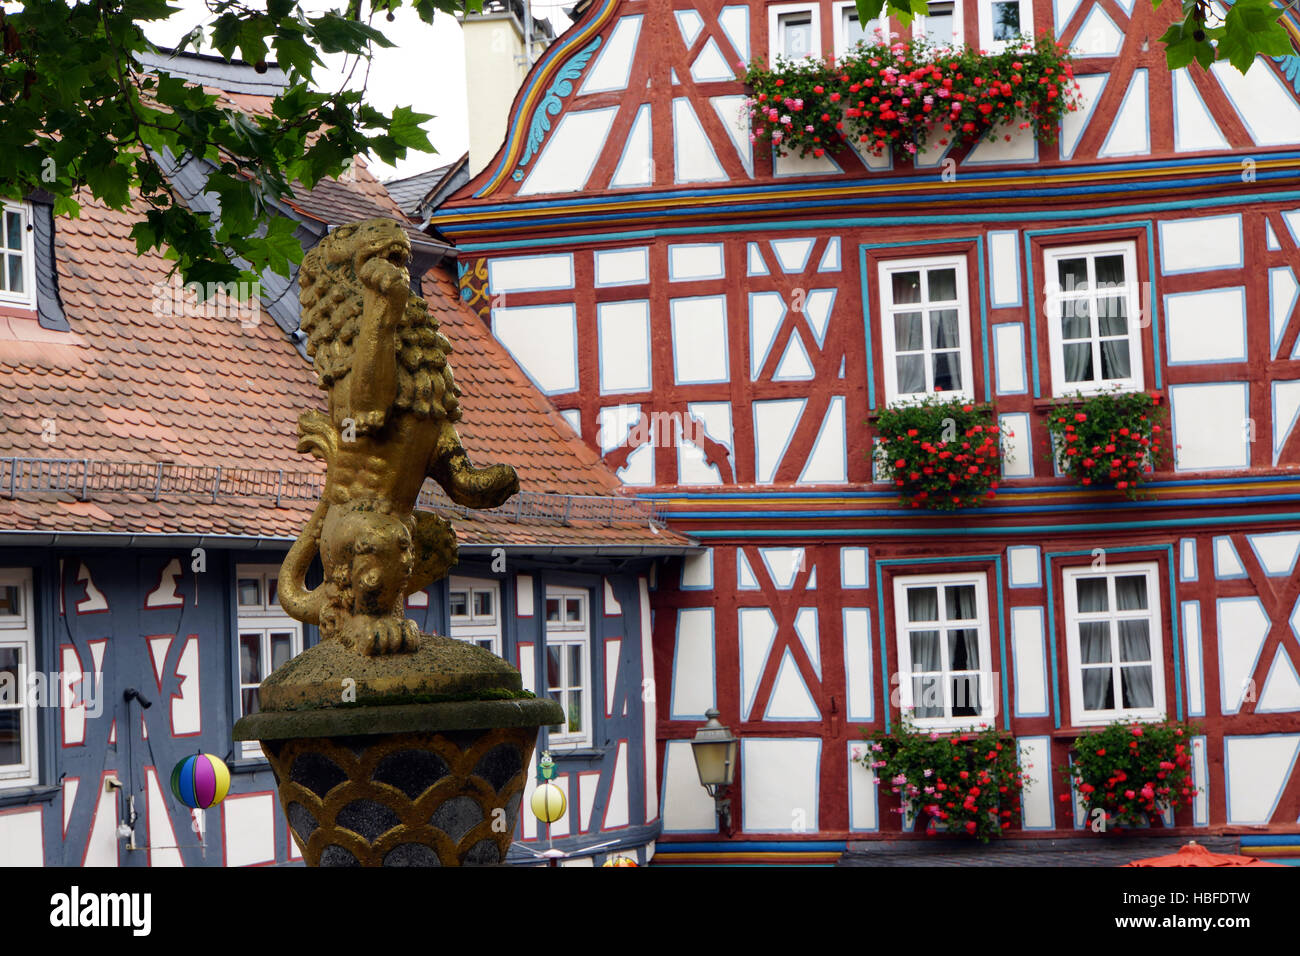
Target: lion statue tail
{"points": [[317, 435]]}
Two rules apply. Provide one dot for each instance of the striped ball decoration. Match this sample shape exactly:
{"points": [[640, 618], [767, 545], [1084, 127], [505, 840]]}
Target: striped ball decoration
{"points": [[201, 781]]}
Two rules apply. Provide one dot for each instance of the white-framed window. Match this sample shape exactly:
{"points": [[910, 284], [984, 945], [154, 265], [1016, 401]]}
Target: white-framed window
{"points": [[941, 24], [925, 314], [19, 764], [1003, 21], [1113, 627], [945, 665], [794, 31], [475, 608], [847, 30], [1094, 318], [17, 258], [266, 637], [568, 664]]}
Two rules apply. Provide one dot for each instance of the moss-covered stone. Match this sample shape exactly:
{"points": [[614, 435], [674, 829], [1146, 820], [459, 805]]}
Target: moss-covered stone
{"points": [[330, 675]]}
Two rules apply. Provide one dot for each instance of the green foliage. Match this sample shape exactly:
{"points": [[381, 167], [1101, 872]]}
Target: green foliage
{"points": [[1113, 439], [940, 453], [965, 783], [78, 117], [898, 96], [1128, 770]]}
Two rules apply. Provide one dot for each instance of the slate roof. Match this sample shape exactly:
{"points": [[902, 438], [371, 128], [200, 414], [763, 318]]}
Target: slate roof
{"points": [[194, 391], [410, 191]]}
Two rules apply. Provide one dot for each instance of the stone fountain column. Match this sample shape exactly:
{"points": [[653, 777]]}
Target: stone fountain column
{"points": [[399, 760]]}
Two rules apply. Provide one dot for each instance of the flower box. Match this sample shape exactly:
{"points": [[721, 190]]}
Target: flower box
{"points": [[895, 97], [940, 454]]}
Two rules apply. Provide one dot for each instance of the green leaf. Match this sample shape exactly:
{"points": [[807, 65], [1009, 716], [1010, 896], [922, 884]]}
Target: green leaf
{"points": [[405, 128]]}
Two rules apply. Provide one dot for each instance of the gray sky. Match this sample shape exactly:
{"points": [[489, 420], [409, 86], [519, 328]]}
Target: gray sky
{"points": [[425, 71]]}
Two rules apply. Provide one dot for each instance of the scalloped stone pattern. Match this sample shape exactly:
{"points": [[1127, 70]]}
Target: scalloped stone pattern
{"points": [[415, 799]]}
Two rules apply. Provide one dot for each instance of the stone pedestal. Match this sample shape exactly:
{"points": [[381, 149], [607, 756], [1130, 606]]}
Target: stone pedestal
{"points": [[416, 759]]}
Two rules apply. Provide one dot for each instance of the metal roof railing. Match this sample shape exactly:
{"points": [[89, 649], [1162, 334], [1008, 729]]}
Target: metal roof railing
{"points": [[91, 478]]}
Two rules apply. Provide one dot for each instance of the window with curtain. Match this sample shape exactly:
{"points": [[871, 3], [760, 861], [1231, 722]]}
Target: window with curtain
{"points": [[568, 665], [17, 264], [945, 669], [925, 317], [1093, 313], [1113, 623], [267, 637], [794, 31]]}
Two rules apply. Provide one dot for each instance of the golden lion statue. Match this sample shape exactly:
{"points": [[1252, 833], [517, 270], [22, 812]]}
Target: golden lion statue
{"points": [[392, 407]]}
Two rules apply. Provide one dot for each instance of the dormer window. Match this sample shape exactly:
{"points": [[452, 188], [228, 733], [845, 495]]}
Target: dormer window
{"points": [[17, 268]]}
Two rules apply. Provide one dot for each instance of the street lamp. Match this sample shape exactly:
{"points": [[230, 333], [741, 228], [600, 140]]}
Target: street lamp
{"points": [[715, 760]]}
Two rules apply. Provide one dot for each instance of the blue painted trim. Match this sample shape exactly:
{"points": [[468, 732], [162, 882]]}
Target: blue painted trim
{"points": [[743, 561], [739, 44], [692, 117], [1241, 246], [747, 713], [811, 824], [752, 249], [780, 667], [985, 345], [830, 311], [815, 652], [767, 846], [672, 318], [519, 174], [1295, 553], [1220, 575], [642, 115], [492, 263], [600, 348], [1019, 356], [835, 244], [1227, 777], [803, 406], [1018, 301], [1276, 339], [1042, 647], [853, 786], [683, 586], [982, 531], [767, 566], [1200, 819], [1268, 839], [573, 319], [1146, 84], [584, 90], [803, 262], [645, 256], [866, 328], [866, 570], [1219, 341], [1046, 778], [849, 714], [1286, 433], [1183, 576], [1088, 26], [1174, 391], [722, 261], [1038, 565], [1237, 694], [759, 358], [880, 639], [1002, 641], [1199, 203], [1281, 659], [816, 445]]}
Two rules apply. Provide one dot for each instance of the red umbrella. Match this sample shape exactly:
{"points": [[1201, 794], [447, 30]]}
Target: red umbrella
{"points": [[1193, 854]]}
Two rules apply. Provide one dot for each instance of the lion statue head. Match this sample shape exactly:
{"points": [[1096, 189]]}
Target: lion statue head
{"points": [[332, 296]]}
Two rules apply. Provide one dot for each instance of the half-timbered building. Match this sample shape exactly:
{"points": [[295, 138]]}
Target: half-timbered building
{"points": [[718, 324]]}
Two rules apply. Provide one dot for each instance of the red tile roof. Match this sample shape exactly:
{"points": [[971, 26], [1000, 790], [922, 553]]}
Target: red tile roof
{"points": [[127, 384]]}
